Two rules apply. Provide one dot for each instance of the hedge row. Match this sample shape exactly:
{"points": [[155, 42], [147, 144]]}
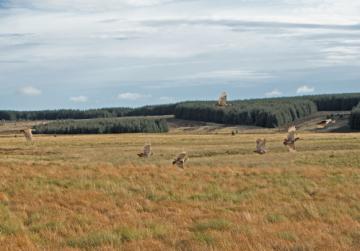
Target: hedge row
{"points": [[64, 114], [103, 126]]}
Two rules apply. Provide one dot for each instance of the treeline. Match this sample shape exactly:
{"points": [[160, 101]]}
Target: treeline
{"points": [[265, 113], [104, 126], [154, 110], [355, 118], [64, 114], [335, 102], [259, 112]]}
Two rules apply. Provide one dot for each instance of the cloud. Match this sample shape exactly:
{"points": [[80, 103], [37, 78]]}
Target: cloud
{"points": [[132, 96], [274, 93], [83, 5], [142, 3], [79, 99], [230, 74], [305, 89], [180, 48], [238, 24], [30, 91]]}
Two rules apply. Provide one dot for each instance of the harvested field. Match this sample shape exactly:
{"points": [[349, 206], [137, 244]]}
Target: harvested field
{"points": [[92, 192]]}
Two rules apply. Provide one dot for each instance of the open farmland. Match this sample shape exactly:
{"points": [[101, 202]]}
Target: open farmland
{"points": [[92, 192]]}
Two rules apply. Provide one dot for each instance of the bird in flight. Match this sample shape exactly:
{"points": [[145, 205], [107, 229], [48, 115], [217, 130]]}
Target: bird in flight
{"points": [[325, 123], [223, 100], [261, 146], [28, 134], [180, 160], [147, 152], [291, 139]]}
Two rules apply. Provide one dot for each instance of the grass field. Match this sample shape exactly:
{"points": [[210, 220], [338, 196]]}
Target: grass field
{"points": [[93, 193]]}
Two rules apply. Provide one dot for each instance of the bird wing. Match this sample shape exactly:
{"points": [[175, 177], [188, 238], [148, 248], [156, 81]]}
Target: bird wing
{"points": [[147, 149], [260, 145], [181, 156], [222, 99], [28, 134], [263, 143], [291, 133], [292, 129], [263, 146]]}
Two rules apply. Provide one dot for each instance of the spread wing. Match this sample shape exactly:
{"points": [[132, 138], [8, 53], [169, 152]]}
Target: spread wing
{"points": [[147, 149], [223, 99], [291, 134], [28, 134], [260, 145], [263, 143], [181, 156], [180, 160]]}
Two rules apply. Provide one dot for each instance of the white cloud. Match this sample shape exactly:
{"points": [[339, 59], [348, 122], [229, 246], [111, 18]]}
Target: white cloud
{"points": [[79, 99], [30, 91], [82, 5], [274, 93], [147, 2], [132, 96], [231, 74], [197, 44], [305, 89]]}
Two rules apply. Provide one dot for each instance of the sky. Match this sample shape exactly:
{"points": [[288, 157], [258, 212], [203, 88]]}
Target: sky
{"points": [[90, 53]]}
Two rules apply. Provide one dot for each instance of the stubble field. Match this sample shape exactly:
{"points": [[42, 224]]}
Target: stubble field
{"points": [[94, 193]]}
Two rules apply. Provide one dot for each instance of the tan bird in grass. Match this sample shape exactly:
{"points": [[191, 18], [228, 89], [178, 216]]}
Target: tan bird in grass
{"points": [[223, 100], [261, 146], [28, 134], [180, 160], [147, 152], [291, 139]]}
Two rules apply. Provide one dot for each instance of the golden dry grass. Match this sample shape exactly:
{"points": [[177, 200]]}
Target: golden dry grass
{"points": [[92, 192]]}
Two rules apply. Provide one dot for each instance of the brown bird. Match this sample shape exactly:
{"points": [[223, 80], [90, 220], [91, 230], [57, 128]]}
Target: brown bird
{"points": [[291, 139], [28, 134], [180, 160], [147, 152], [223, 100], [261, 146], [325, 123]]}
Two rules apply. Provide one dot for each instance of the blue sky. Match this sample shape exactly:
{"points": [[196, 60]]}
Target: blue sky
{"points": [[90, 53]]}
